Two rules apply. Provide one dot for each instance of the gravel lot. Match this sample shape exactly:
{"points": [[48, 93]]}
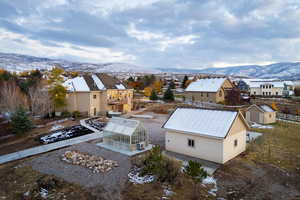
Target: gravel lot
{"points": [[109, 185], [156, 133]]}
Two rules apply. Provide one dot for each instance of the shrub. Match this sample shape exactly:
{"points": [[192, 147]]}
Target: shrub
{"points": [[66, 114], [76, 114], [153, 95], [164, 168], [20, 122], [168, 95]]}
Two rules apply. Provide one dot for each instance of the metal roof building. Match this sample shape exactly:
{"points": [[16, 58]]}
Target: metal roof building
{"points": [[126, 134]]}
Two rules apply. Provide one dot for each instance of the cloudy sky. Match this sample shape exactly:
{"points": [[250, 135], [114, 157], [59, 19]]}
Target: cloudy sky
{"points": [[154, 33]]}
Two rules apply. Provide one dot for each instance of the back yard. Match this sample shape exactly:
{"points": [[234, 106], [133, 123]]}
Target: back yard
{"points": [[269, 169]]}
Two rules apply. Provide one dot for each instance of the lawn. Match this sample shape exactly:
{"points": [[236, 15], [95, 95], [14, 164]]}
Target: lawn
{"points": [[269, 169]]}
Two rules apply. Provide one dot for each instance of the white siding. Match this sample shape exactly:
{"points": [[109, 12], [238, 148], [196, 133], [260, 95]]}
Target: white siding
{"points": [[229, 150], [205, 148]]}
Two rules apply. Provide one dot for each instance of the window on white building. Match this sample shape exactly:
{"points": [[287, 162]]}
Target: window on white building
{"points": [[235, 143], [191, 143]]}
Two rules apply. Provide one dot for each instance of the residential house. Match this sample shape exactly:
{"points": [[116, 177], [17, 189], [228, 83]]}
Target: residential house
{"points": [[266, 88], [213, 135], [208, 90], [95, 94], [262, 114], [288, 89]]}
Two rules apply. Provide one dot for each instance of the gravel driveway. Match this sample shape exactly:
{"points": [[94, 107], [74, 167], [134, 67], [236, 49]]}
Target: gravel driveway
{"points": [[108, 184]]}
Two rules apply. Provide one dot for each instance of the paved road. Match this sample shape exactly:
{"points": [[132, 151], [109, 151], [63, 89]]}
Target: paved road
{"points": [[48, 147]]}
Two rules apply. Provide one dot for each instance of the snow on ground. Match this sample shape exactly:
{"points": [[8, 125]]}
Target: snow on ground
{"points": [[209, 180], [251, 135], [134, 177], [56, 127], [256, 125], [167, 192], [143, 116]]}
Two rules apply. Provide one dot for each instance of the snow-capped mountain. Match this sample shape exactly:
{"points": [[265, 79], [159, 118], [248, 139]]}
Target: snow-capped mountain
{"points": [[277, 70], [17, 62]]}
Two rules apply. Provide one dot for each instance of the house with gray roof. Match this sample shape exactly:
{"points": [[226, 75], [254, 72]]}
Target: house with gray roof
{"points": [[208, 134], [95, 94], [262, 114], [211, 90]]}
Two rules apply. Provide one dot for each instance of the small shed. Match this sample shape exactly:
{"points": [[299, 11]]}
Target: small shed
{"points": [[262, 114], [208, 134], [125, 134]]}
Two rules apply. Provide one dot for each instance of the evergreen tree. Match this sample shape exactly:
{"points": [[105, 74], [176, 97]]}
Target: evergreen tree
{"points": [[172, 85], [197, 173], [20, 121], [168, 95], [184, 82], [153, 95]]}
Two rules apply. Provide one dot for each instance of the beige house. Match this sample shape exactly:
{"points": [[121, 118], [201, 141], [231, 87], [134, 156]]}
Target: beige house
{"points": [[211, 90], [96, 94], [213, 135], [266, 88], [262, 114]]}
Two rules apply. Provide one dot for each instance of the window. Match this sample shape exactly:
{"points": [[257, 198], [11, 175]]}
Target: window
{"points": [[191, 143], [207, 94], [270, 93], [263, 93], [276, 93], [95, 111], [94, 96], [235, 143], [254, 93], [201, 94], [270, 115]]}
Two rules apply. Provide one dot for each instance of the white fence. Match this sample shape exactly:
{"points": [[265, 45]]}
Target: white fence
{"points": [[288, 117]]}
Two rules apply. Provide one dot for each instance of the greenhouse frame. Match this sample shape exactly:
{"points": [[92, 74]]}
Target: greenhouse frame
{"points": [[125, 134]]}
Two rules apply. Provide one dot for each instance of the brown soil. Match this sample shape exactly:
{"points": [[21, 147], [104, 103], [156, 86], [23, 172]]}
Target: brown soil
{"points": [[27, 140], [24, 183]]}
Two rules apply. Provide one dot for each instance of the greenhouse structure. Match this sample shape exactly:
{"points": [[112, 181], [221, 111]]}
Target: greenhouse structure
{"points": [[125, 134]]}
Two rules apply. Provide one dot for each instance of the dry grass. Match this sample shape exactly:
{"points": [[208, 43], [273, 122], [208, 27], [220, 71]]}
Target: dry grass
{"points": [[182, 186], [279, 146], [17, 181]]}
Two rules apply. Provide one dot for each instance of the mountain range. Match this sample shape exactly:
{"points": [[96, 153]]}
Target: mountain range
{"points": [[18, 62]]}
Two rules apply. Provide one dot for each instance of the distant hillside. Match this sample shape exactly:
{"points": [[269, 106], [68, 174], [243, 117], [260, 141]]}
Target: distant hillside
{"points": [[17, 62], [277, 70]]}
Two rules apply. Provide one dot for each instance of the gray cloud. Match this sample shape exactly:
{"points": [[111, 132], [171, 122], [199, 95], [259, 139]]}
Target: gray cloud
{"points": [[166, 33]]}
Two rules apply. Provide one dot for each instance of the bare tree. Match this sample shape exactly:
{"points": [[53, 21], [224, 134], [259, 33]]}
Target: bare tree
{"points": [[40, 101], [11, 97]]}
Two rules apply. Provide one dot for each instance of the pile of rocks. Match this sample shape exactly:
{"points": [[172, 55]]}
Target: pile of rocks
{"points": [[95, 163]]}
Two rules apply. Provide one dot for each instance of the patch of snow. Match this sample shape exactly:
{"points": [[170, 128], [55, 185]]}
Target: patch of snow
{"points": [[98, 82], [134, 177], [209, 180], [142, 116], [44, 193], [56, 127], [120, 86], [167, 192], [252, 135], [256, 125]]}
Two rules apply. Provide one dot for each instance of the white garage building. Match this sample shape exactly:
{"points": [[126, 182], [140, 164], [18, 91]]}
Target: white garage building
{"points": [[214, 135]]}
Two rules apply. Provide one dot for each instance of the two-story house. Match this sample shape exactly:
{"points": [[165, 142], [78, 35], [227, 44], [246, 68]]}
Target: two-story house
{"points": [[95, 94], [211, 90]]}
